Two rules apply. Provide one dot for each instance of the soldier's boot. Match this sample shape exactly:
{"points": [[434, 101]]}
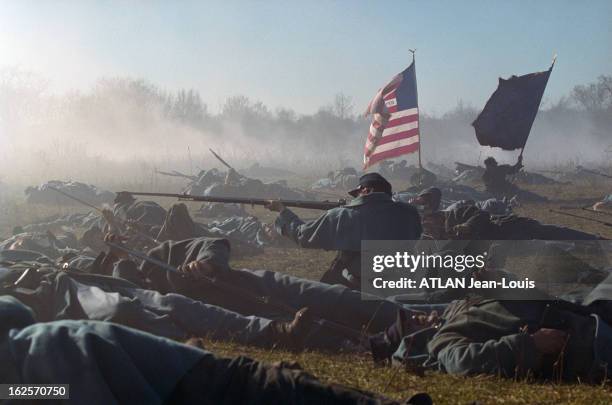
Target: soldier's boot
{"points": [[291, 335], [384, 344]]}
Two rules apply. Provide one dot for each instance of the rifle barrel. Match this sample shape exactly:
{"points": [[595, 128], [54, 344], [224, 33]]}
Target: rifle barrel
{"points": [[596, 172], [85, 203], [582, 217], [584, 208], [316, 205], [221, 159], [596, 211], [177, 174]]}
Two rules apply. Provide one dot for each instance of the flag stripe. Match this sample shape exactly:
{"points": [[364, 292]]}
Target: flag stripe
{"points": [[404, 150], [401, 118], [389, 95], [396, 144], [400, 128], [396, 137], [406, 112]]}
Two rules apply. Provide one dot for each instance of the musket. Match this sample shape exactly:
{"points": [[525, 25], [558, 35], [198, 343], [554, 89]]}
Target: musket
{"points": [[235, 291], [580, 168], [552, 171], [174, 173], [587, 208], [101, 211], [464, 166], [598, 212], [313, 205], [221, 159], [582, 217], [85, 203]]}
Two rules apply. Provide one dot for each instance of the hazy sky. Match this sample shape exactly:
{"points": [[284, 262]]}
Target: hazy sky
{"points": [[299, 54]]}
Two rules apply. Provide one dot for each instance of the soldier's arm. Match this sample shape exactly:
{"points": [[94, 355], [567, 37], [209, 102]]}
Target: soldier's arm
{"points": [[215, 251], [212, 251], [317, 234], [470, 219], [516, 168]]}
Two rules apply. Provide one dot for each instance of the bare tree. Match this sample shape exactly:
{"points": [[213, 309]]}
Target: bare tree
{"points": [[595, 96], [343, 106]]}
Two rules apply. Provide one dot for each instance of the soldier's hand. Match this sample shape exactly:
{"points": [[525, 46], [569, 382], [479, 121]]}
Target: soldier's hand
{"points": [[275, 206], [198, 269], [549, 341], [425, 319], [117, 239], [418, 200], [108, 215], [270, 232], [462, 231]]}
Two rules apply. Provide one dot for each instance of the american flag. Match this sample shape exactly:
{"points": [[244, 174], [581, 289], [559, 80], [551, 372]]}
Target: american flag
{"points": [[395, 119]]}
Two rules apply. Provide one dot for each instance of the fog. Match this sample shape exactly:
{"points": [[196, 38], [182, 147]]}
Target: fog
{"points": [[121, 129]]}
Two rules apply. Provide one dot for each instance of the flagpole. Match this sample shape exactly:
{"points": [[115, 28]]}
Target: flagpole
{"points": [[550, 70], [418, 115]]}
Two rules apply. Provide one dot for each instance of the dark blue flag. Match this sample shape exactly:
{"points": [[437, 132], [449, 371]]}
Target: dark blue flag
{"points": [[506, 120]]}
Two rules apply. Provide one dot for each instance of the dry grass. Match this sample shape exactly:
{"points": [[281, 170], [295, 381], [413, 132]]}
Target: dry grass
{"points": [[358, 371]]}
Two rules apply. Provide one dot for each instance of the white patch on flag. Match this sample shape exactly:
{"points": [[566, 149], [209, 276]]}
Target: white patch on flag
{"points": [[391, 103]]}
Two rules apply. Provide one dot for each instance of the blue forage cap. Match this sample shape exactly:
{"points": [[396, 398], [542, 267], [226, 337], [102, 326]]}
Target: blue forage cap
{"points": [[374, 180]]}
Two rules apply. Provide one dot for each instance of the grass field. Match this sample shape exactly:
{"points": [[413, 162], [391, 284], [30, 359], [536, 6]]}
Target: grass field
{"points": [[359, 371]]}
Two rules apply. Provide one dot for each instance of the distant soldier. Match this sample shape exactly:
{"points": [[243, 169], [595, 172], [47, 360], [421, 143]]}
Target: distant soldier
{"points": [[495, 177], [371, 215], [474, 221], [149, 213], [433, 220], [233, 178]]}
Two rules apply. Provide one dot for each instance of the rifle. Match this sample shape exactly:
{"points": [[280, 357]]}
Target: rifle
{"points": [[221, 160], [552, 171], [174, 173], [312, 205], [587, 208], [233, 290], [461, 167], [582, 217], [582, 169], [117, 221]]}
